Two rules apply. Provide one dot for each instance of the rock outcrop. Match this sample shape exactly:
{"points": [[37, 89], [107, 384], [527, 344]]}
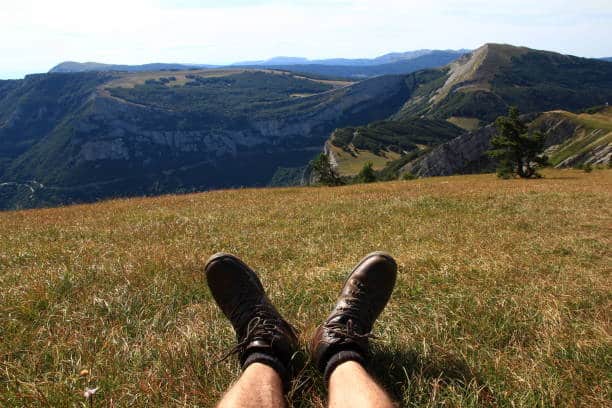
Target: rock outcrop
{"points": [[569, 142], [463, 154]]}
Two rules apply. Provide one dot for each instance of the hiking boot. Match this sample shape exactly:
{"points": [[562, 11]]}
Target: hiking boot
{"points": [[263, 335], [345, 334]]}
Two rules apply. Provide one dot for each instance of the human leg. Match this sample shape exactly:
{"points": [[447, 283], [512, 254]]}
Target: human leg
{"points": [[350, 385], [258, 386], [266, 342], [340, 346]]}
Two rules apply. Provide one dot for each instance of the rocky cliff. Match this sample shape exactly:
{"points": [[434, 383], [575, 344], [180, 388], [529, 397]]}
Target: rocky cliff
{"points": [[154, 133]]}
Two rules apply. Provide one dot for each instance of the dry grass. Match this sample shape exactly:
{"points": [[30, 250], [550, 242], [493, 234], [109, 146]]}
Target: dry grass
{"points": [[351, 164], [594, 132], [503, 297], [465, 123], [131, 79]]}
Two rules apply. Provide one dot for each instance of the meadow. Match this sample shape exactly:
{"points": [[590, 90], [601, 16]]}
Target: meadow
{"points": [[503, 296]]}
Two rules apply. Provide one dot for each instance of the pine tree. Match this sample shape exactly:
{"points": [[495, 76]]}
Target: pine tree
{"points": [[367, 174], [324, 172], [518, 150]]}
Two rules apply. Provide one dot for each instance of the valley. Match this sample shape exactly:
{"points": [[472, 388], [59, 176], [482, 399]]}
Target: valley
{"points": [[93, 135]]}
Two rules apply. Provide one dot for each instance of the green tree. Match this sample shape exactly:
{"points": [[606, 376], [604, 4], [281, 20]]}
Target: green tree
{"points": [[408, 176], [324, 172], [518, 151], [367, 173]]}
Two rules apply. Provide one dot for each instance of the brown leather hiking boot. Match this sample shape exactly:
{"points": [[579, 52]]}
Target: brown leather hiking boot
{"points": [[263, 335], [344, 335]]}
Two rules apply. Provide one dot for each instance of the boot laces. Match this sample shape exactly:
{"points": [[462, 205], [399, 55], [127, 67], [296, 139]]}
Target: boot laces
{"points": [[351, 327], [263, 325]]}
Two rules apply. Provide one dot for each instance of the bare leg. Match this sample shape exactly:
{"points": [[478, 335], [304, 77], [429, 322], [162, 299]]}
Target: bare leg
{"points": [[258, 386], [350, 385]]}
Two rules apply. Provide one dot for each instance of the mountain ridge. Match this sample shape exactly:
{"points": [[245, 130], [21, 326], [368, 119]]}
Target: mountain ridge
{"points": [[74, 66], [496, 76], [73, 137], [391, 64], [477, 88], [383, 59]]}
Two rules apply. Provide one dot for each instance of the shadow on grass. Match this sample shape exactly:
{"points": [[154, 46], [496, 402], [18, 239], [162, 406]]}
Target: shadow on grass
{"points": [[407, 374]]}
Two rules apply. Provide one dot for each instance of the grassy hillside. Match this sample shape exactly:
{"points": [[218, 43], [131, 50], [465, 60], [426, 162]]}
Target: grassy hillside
{"points": [[350, 161], [226, 96], [503, 296], [588, 137], [385, 141]]}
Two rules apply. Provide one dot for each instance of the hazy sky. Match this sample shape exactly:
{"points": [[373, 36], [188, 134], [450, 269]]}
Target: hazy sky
{"points": [[37, 34]]}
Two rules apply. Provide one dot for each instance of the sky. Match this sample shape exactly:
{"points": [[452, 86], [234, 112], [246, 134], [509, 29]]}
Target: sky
{"points": [[35, 35]]}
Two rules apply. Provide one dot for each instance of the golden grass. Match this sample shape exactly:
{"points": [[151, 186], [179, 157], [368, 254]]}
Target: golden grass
{"points": [[599, 120], [465, 123], [332, 82], [503, 296], [131, 79], [350, 165], [595, 130]]}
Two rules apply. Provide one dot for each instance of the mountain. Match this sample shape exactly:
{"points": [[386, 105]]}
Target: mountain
{"points": [[477, 88], [389, 64], [85, 136], [609, 59], [483, 84], [433, 59], [76, 137], [274, 61], [71, 66], [383, 59]]}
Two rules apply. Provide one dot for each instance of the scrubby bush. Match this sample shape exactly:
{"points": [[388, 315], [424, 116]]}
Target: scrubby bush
{"points": [[367, 173]]}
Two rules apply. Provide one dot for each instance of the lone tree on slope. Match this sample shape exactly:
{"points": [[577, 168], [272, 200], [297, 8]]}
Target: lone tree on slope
{"points": [[367, 173], [324, 172], [518, 151]]}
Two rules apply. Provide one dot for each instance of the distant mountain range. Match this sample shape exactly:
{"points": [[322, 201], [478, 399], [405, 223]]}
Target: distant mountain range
{"points": [[609, 59], [389, 64], [383, 59], [72, 66], [85, 136], [434, 59]]}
